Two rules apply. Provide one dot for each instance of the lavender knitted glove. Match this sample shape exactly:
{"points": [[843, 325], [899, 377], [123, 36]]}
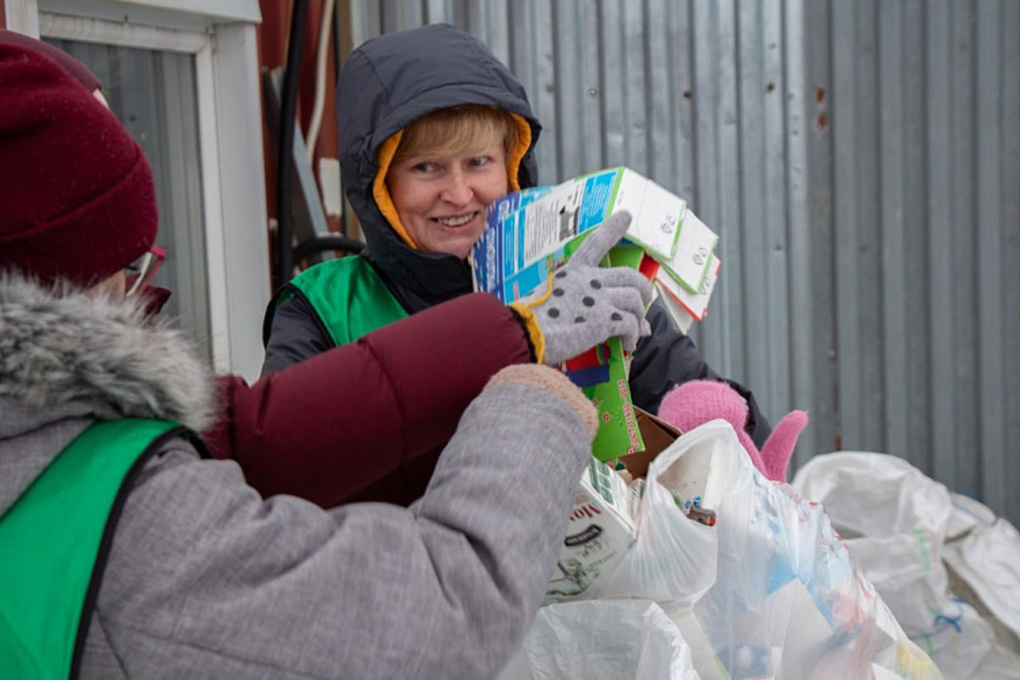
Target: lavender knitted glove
{"points": [[583, 304]]}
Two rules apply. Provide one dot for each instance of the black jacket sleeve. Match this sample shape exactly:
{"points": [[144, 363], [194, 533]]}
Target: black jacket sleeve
{"points": [[667, 358], [296, 335]]}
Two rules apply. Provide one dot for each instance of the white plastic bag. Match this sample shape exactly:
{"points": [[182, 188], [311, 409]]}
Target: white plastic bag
{"points": [[674, 558], [986, 557], [770, 590], [896, 523], [602, 640]]}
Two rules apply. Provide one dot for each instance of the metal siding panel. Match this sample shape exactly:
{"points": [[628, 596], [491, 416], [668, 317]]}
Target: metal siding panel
{"points": [[963, 272], [569, 100], [537, 21], [1010, 179], [439, 11], [545, 102], [870, 400], [845, 124], [916, 239], [658, 51], [705, 196], [802, 335], [522, 57], [728, 221], [748, 231], [940, 289], [366, 21], [825, 421], [717, 198], [394, 15], [591, 87], [681, 69], [635, 92], [709, 334], [991, 426], [893, 173], [459, 13], [613, 85], [774, 373]]}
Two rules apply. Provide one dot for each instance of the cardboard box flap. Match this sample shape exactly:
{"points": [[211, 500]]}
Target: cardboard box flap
{"points": [[690, 478], [657, 435]]}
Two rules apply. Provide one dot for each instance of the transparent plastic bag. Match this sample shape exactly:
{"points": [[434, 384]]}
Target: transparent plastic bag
{"points": [[769, 590], [674, 558]]}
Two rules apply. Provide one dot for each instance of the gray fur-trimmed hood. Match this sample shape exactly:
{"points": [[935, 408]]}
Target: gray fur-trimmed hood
{"points": [[61, 348]]}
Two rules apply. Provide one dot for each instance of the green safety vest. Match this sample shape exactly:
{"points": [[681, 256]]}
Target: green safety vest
{"points": [[54, 542], [349, 296]]}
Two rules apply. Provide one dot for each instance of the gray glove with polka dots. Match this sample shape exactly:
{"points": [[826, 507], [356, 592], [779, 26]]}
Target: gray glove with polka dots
{"points": [[583, 304]]}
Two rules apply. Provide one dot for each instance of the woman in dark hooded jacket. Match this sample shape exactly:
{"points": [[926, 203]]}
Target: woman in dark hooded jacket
{"points": [[413, 260]]}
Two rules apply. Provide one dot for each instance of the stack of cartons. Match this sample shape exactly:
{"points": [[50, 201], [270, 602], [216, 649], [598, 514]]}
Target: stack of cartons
{"points": [[531, 232], [527, 228]]}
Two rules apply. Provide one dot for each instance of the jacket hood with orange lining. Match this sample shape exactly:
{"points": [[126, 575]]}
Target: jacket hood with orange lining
{"points": [[384, 93]]}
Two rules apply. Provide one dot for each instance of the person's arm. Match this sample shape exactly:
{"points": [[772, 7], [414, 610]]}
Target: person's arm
{"points": [[333, 424], [397, 393], [205, 578], [296, 335], [667, 358]]}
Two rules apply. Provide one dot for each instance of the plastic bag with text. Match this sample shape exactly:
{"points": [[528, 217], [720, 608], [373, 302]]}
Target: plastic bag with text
{"points": [[768, 591]]}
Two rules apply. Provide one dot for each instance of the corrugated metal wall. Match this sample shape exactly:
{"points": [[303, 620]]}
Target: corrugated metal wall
{"points": [[860, 160]]}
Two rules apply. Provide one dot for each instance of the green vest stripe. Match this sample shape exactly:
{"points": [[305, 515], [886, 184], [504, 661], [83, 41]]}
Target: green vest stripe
{"points": [[54, 541], [349, 296]]}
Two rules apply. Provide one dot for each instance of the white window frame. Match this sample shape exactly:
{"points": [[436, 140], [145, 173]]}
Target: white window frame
{"points": [[220, 34]]}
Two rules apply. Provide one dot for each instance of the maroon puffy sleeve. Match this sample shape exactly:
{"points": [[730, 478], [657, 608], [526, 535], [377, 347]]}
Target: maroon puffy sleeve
{"points": [[366, 421]]}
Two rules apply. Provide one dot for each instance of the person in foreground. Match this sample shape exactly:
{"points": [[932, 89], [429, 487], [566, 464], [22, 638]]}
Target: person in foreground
{"points": [[433, 128], [128, 554]]}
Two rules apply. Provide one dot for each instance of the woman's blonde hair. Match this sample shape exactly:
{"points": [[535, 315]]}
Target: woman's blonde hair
{"points": [[457, 129]]}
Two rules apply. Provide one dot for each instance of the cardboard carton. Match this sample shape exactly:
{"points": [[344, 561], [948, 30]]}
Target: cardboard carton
{"points": [[602, 525], [531, 231]]}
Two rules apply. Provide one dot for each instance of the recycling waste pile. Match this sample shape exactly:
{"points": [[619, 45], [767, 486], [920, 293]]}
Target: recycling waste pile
{"points": [[945, 564], [745, 579], [681, 560]]}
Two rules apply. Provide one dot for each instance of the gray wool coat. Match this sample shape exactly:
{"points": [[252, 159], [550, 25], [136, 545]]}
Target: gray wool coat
{"points": [[206, 579]]}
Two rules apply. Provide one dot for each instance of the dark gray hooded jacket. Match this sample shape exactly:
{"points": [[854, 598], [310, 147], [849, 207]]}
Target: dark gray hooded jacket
{"points": [[380, 92]]}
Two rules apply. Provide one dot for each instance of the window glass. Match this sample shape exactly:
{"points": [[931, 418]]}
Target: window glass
{"points": [[153, 94]]}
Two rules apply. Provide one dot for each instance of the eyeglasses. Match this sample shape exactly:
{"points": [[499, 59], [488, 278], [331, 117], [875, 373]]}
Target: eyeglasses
{"points": [[140, 273]]}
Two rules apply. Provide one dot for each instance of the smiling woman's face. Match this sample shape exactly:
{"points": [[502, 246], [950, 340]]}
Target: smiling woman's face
{"points": [[446, 170], [441, 198]]}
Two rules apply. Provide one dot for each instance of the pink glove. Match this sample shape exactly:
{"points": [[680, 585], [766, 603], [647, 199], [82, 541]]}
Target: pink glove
{"points": [[694, 403]]}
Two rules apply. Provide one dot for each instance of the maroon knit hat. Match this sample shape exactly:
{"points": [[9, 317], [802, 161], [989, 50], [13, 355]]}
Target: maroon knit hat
{"points": [[77, 69], [77, 201]]}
